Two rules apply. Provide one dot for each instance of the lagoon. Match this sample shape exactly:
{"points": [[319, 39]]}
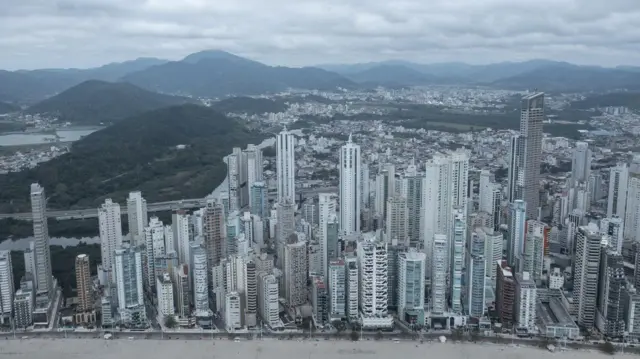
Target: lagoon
{"points": [[69, 134]]}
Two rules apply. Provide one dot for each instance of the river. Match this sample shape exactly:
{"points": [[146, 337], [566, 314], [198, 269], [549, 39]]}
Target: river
{"points": [[69, 134]]}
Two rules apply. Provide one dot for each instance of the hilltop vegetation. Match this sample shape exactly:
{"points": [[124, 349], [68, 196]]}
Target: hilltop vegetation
{"points": [[138, 153], [94, 102], [249, 105]]}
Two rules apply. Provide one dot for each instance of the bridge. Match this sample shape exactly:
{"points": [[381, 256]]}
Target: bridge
{"points": [[151, 207]]}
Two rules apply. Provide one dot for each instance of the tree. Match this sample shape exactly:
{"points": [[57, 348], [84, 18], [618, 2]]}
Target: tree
{"points": [[354, 335], [170, 322], [379, 335], [608, 348]]}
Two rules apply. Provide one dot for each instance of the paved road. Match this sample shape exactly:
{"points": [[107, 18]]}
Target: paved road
{"points": [[151, 207]]}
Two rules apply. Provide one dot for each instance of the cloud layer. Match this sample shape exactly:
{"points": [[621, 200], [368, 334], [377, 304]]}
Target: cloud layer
{"points": [[84, 33]]}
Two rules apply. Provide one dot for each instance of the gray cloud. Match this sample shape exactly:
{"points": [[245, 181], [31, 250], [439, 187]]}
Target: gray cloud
{"points": [[83, 33]]}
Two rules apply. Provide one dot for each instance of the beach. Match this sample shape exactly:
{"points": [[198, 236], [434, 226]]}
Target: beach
{"points": [[272, 349]]}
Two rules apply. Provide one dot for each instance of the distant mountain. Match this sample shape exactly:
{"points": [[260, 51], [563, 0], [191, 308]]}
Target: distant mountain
{"points": [[218, 74], [8, 108], [93, 102], [29, 86], [249, 105], [570, 78], [392, 75], [139, 153], [626, 99]]}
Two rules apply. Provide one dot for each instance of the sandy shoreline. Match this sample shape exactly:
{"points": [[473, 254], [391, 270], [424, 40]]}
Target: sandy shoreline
{"points": [[270, 349]]}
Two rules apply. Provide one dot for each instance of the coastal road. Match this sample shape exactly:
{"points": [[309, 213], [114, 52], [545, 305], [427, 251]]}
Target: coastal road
{"points": [[151, 207]]}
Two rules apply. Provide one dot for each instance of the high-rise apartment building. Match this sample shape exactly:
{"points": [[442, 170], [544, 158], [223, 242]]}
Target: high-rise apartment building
{"points": [[439, 275], [326, 211], [250, 294], [610, 319], [526, 302], [374, 301], [350, 190], [531, 119], [83, 283], [517, 215], [581, 163], [475, 276], [285, 166], [129, 284], [319, 301], [268, 294], [337, 289], [396, 223], [259, 200], [110, 235], [6, 286], [458, 243], [585, 275], [505, 293], [617, 199], [614, 228], [295, 271], [253, 157], [385, 188], [533, 251], [165, 295], [30, 260], [515, 186], [180, 226], [413, 187], [632, 213], [214, 234], [199, 283], [493, 247], [233, 311], [181, 293], [352, 280], [44, 278], [154, 250], [137, 217], [411, 286]]}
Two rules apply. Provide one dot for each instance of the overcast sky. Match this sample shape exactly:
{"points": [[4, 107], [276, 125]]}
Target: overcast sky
{"points": [[86, 33]]}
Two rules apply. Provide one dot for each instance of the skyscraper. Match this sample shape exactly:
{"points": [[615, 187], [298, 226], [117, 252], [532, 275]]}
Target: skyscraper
{"points": [[350, 190], [295, 271], [585, 275], [632, 214], [352, 287], [515, 186], [181, 236], [326, 211], [396, 223], [253, 156], [214, 235], [526, 301], [374, 300], [411, 286], [199, 283], [533, 251], [610, 294], [41, 236], [517, 214], [137, 217], [617, 199], [475, 276], [337, 289], [110, 235], [285, 165], [83, 283], [413, 186], [6, 286], [581, 163], [439, 275], [531, 119], [269, 308], [129, 284], [457, 259]]}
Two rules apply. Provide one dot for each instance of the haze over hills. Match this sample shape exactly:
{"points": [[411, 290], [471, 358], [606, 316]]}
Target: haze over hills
{"points": [[8, 108], [543, 74], [219, 74], [31, 86], [94, 102], [137, 153], [392, 75]]}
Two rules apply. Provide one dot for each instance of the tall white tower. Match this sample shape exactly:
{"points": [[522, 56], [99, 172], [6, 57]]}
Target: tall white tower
{"points": [[285, 165], [373, 264], [439, 275], [350, 191], [137, 217], [581, 163], [41, 235], [410, 282], [110, 235], [326, 210]]}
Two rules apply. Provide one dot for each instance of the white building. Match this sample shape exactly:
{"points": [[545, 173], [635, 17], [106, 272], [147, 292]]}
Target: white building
{"points": [[285, 165], [6, 286], [556, 279], [458, 244], [614, 228], [493, 246], [411, 284], [585, 276], [232, 312], [534, 249], [517, 216], [397, 221], [110, 235], [30, 260], [352, 281], [581, 163], [129, 282], [526, 301], [198, 271], [155, 247], [268, 305], [350, 190], [44, 278], [180, 228], [165, 295], [137, 216], [439, 276], [413, 188], [326, 211], [475, 295], [632, 214], [373, 264]]}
